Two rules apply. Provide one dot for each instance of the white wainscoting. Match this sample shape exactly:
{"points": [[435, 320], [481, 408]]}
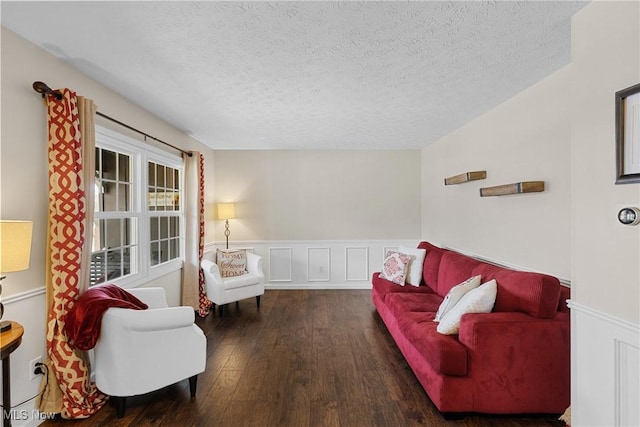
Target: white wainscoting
{"points": [[605, 369], [319, 264], [28, 309]]}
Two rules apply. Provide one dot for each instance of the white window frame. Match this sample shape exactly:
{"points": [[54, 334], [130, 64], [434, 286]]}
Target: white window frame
{"points": [[175, 163], [141, 154]]}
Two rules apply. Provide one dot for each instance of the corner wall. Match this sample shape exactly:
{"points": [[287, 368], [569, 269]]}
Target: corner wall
{"points": [[527, 138]]}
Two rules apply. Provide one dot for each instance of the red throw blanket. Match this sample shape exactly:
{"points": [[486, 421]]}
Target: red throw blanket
{"points": [[83, 321]]}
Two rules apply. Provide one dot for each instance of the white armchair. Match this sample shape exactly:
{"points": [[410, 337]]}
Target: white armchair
{"points": [[140, 351], [222, 291]]}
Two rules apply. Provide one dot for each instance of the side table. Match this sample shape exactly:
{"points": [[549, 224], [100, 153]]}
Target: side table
{"points": [[9, 341]]}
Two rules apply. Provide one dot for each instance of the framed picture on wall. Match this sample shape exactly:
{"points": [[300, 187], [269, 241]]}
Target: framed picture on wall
{"points": [[628, 135]]}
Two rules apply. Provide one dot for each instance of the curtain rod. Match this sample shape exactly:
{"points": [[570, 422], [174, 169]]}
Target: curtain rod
{"points": [[44, 90]]}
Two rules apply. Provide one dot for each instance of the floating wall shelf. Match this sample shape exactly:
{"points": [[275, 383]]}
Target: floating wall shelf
{"points": [[515, 188], [465, 177]]}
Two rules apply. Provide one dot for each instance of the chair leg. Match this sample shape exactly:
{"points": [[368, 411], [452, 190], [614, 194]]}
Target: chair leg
{"points": [[220, 310], [120, 405], [193, 382], [237, 304], [258, 301]]}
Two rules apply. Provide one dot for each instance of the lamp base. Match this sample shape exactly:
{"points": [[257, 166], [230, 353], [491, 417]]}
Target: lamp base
{"points": [[5, 325]]}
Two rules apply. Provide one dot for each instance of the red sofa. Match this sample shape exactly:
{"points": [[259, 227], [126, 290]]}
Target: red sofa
{"points": [[515, 359]]}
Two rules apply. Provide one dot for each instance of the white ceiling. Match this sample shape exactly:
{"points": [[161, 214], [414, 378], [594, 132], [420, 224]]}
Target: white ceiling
{"points": [[306, 75]]}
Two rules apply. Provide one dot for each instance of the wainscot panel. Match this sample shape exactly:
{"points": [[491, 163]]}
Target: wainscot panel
{"points": [[318, 264], [605, 369]]}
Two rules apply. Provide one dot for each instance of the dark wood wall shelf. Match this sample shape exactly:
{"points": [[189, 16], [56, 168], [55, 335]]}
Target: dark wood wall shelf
{"points": [[465, 177], [515, 188]]}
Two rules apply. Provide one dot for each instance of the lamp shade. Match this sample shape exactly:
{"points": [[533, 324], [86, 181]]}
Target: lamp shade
{"points": [[15, 247], [226, 211]]}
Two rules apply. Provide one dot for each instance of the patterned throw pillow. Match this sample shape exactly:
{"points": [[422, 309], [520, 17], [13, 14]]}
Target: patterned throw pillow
{"points": [[231, 263], [395, 267]]}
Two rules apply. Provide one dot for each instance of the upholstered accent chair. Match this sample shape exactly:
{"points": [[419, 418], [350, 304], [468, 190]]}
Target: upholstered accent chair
{"points": [[140, 351], [224, 290]]}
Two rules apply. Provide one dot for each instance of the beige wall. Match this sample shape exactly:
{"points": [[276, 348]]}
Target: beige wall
{"points": [[606, 255], [23, 175], [527, 138], [320, 195]]}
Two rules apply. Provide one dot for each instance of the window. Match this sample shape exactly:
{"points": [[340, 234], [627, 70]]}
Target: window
{"points": [[163, 201], [135, 241], [115, 238]]}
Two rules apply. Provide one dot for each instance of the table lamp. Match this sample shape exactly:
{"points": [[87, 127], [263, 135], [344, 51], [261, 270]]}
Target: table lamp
{"points": [[226, 211], [15, 252]]}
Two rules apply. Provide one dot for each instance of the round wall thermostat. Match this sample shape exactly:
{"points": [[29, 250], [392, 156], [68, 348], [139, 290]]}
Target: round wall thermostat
{"points": [[629, 216]]}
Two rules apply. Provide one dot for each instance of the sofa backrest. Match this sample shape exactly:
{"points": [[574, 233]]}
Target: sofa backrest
{"points": [[455, 268], [534, 293], [431, 264]]}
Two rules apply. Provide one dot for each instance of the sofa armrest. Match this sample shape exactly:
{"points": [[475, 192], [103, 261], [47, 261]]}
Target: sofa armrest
{"points": [[519, 354], [480, 330], [211, 271]]}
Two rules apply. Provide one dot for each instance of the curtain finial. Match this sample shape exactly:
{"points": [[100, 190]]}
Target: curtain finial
{"points": [[43, 89]]}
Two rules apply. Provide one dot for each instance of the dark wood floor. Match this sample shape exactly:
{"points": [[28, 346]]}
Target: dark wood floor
{"points": [[307, 358]]}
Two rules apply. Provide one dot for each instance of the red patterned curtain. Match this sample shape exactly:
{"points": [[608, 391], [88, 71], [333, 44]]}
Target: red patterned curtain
{"points": [[67, 389], [193, 286], [205, 303]]}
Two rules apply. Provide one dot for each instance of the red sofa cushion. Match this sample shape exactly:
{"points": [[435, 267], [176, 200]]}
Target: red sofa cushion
{"points": [[385, 287], [455, 268], [402, 302], [444, 353], [431, 264], [533, 293]]}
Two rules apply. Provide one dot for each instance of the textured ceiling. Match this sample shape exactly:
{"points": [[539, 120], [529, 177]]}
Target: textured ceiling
{"points": [[306, 75]]}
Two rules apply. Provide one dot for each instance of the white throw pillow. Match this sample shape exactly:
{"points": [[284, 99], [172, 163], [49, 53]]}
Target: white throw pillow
{"points": [[414, 275], [395, 267], [478, 300], [455, 294]]}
